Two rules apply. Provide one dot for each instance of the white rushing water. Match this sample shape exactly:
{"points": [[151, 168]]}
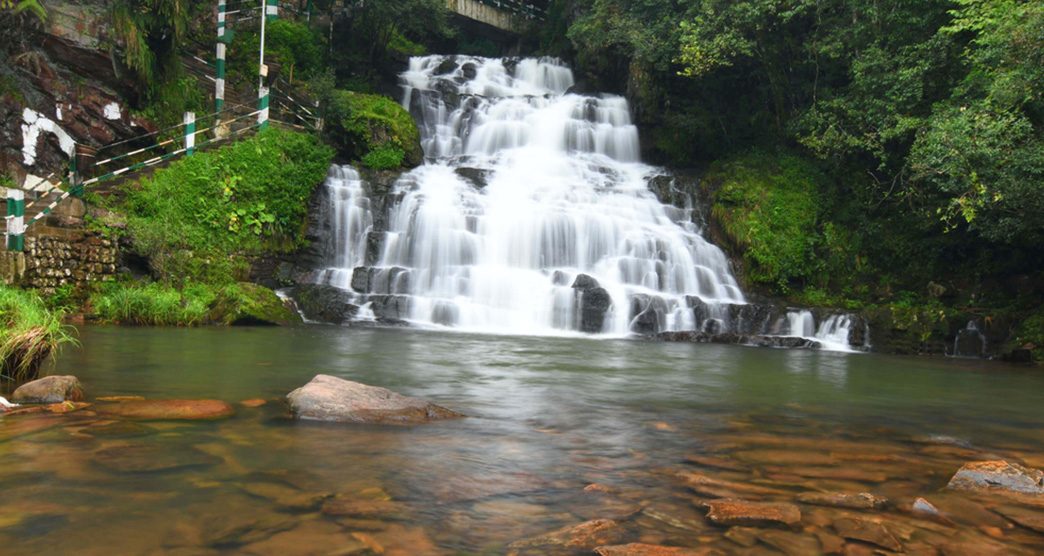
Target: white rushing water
{"points": [[526, 189]]}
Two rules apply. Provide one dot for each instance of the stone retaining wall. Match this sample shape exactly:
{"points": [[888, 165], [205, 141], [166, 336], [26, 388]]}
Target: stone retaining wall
{"points": [[55, 257]]}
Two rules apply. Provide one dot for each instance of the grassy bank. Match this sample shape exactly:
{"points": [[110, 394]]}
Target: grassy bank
{"points": [[199, 222], [29, 333]]}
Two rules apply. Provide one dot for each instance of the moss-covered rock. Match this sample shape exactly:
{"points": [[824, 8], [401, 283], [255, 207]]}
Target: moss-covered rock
{"points": [[250, 304], [374, 130]]}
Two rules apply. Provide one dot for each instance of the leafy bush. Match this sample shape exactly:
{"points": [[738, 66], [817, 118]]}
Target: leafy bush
{"points": [[290, 44], [384, 158], [29, 333], [196, 219]]}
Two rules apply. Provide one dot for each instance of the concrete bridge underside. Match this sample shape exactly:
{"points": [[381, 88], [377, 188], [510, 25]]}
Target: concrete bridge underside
{"points": [[504, 18]]}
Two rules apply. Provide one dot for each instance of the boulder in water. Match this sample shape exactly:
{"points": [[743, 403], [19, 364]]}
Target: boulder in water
{"points": [[50, 389], [328, 398], [594, 303], [998, 476]]}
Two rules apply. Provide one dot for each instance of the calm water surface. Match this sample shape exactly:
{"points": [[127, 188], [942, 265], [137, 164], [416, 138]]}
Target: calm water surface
{"points": [[548, 416]]}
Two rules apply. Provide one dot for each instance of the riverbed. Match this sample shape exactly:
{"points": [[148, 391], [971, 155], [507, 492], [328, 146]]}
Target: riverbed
{"points": [[560, 431]]}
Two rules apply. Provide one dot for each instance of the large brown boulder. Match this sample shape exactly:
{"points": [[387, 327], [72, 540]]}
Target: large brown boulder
{"points": [[50, 389], [998, 475], [328, 398]]}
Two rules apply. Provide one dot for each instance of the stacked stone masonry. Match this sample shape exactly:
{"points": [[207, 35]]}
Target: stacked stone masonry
{"points": [[53, 260]]}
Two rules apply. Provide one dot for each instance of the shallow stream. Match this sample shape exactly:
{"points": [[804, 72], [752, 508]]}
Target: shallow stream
{"points": [[548, 417]]}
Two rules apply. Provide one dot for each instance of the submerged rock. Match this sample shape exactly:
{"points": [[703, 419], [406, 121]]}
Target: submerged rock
{"points": [[328, 398], [998, 475], [585, 536], [640, 549], [50, 389], [162, 410], [742, 512], [857, 501], [787, 342], [867, 531], [151, 458]]}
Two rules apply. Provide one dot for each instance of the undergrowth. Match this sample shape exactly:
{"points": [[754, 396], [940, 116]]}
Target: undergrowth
{"points": [[29, 333]]}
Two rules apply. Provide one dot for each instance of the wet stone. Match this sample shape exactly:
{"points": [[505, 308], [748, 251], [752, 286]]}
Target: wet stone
{"points": [[743, 536], [361, 508], [741, 512], [238, 531], [641, 549], [584, 536], [116, 429], [328, 398], [149, 458], [867, 531], [792, 544], [50, 390], [715, 462], [1025, 517], [856, 501], [998, 476], [162, 410]]}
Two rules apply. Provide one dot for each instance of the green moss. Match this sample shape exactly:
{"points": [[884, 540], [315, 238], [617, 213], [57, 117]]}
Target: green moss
{"points": [[374, 129], [768, 208], [29, 333], [198, 219]]}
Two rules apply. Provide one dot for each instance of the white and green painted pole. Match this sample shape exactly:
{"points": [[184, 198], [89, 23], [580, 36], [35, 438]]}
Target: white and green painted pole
{"points": [[190, 133], [15, 220], [262, 90], [219, 83], [272, 10]]}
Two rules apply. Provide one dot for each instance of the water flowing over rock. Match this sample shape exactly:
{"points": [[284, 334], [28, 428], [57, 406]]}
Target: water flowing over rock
{"points": [[328, 398], [532, 214]]}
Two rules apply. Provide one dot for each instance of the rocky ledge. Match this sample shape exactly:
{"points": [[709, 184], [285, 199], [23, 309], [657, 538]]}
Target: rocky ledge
{"points": [[789, 342], [328, 398]]}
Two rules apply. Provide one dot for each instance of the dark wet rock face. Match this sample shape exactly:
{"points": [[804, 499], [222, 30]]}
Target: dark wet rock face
{"points": [[50, 389], [998, 476], [328, 398], [787, 342], [324, 303], [594, 303]]}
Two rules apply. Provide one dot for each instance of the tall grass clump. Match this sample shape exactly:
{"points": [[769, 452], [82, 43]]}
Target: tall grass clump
{"points": [[29, 333], [152, 304]]}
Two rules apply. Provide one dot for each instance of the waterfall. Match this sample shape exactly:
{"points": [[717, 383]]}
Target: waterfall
{"points": [[532, 214]]}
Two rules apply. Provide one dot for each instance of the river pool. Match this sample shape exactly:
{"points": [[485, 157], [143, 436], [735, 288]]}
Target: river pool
{"points": [[657, 428]]}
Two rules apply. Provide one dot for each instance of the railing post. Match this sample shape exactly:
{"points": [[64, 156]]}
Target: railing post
{"points": [[16, 222], [190, 133], [219, 83], [272, 10], [262, 105]]}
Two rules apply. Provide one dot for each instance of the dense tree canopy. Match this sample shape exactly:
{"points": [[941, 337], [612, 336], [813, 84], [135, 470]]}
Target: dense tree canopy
{"points": [[927, 116]]}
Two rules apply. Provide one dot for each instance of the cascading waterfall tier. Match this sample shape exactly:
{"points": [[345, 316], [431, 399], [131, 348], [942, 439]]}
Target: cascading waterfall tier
{"points": [[531, 215]]}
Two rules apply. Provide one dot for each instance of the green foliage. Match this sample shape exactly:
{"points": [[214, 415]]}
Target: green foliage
{"points": [[172, 98], [150, 33], [1030, 334], [193, 304], [291, 45], [152, 304], [29, 333], [32, 6], [196, 219], [372, 128], [384, 158], [768, 208]]}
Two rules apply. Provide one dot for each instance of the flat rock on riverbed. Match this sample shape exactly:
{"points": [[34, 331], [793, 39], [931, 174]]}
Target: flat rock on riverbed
{"points": [[161, 410], [328, 398]]}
